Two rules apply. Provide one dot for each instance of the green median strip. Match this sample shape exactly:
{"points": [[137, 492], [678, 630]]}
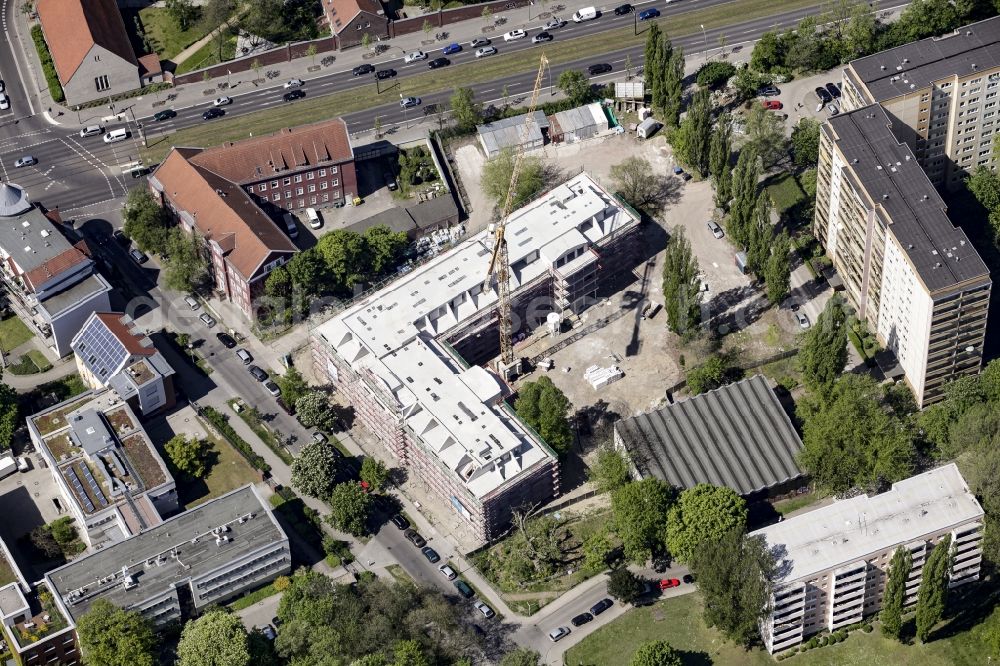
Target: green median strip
{"points": [[314, 109]]}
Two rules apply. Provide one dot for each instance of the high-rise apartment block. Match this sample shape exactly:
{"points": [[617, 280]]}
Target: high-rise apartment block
{"points": [[834, 561]]}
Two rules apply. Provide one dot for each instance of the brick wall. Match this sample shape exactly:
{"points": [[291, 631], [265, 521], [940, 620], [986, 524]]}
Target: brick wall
{"points": [[449, 16]]}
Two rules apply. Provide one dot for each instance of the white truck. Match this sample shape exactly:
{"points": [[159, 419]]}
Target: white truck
{"points": [[585, 14], [7, 466]]}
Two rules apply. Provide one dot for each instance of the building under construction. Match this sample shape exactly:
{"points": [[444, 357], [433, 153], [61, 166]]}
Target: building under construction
{"points": [[402, 356]]}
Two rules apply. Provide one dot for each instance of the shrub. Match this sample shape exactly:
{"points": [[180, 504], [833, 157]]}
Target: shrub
{"points": [[867, 628], [221, 423], [48, 67], [715, 73]]}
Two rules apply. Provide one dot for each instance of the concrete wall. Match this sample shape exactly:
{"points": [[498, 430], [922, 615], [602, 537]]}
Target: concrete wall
{"points": [[122, 75]]}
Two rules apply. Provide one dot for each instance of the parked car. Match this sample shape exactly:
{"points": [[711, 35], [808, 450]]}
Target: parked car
{"points": [[601, 606], [557, 634], [452, 48], [257, 373], [414, 56], [4, 102], [192, 302], [207, 319], [463, 588], [715, 229], [485, 51], [447, 572], [409, 102], [138, 256], [390, 181], [222, 101], [293, 95], [437, 63], [269, 632], [272, 388], [668, 583], [430, 554], [91, 130], [244, 356], [22, 464], [582, 618], [27, 160], [772, 104], [484, 609], [383, 74], [227, 340], [166, 114], [541, 37], [360, 70], [514, 34], [413, 537], [600, 68], [802, 319], [650, 13], [319, 438], [688, 578], [822, 95], [768, 91], [479, 41], [399, 521], [622, 10], [121, 237], [833, 90], [554, 23], [213, 113], [832, 110], [293, 83]]}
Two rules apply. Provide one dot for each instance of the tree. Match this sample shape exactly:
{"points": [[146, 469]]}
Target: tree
{"points": [[349, 507], [624, 586], [308, 271], [673, 86], [760, 235], [314, 411], [278, 283], [183, 13], [778, 271], [716, 371], [681, 286], [891, 615], [724, 188], [185, 267], [765, 132], [410, 653], [609, 471], [984, 183], [521, 657], [597, 548], [693, 139], [189, 454], [824, 346], [383, 247], [110, 636], [428, 27], [768, 53], [42, 539], [293, 386], [715, 73], [637, 183], [720, 147], [859, 34], [656, 653], [345, 257], [639, 516], [374, 473], [735, 577], [703, 513], [654, 64], [146, 222], [217, 638], [314, 471], [933, 592], [744, 198], [575, 85], [467, 112], [805, 143], [496, 177], [8, 415], [543, 406]]}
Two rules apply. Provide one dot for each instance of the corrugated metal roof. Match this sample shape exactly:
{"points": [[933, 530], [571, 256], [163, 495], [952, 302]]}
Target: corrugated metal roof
{"points": [[737, 436], [581, 117], [509, 132]]}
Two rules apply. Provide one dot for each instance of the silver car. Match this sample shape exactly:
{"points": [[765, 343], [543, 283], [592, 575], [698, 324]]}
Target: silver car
{"points": [[559, 633], [485, 51], [27, 160], [715, 229], [802, 319], [409, 102], [207, 319]]}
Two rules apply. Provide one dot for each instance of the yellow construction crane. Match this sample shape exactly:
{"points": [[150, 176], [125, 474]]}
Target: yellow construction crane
{"points": [[499, 269]]}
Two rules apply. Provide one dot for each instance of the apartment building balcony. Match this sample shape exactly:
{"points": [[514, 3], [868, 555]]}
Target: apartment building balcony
{"points": [[968, 533]]}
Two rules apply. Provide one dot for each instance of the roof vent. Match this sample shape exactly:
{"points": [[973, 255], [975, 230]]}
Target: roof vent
{"points": [[882, 67], [899, 68], [885, 196], [975, 66], [906, 60]]}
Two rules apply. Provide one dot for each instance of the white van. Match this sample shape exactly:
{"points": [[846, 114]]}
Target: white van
{"points": [[313, 217], [585, 14], [114, 136]]}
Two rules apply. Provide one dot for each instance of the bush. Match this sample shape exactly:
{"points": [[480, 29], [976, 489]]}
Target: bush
{"points": [[715, 73], [867, 628], [221, 423], [51, 77]]}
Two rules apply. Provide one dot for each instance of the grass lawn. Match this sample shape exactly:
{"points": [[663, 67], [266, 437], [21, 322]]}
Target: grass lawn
{"points": [[678, 621], [311, 110], [786, 506], [13, 333], [785, 192], [229, 471], [164, 35], [6, 572], [30, 363], [208, 55]]}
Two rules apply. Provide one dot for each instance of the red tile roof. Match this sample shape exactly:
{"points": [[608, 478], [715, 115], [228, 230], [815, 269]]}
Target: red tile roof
{"points": [[340, 12], [149, 64], [222, 211], [65, 260], [73, 27], [120, 326], [264, 157]]}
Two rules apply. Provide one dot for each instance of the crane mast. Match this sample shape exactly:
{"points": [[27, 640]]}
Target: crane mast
{"points": [[499, 268]]}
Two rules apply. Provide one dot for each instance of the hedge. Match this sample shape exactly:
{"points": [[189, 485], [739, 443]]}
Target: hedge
{"points": [[221, 423], [55, 88]]}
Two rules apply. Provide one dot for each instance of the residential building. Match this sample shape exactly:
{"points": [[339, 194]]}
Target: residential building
{"points": [[737, 436], [941, 94], [53, 284], [351, 20], [176, 569], [232, 194], [402, 356], [112, 353], [834, 561], [91, 51], [512, 133], [113, 481], [910, 274]]}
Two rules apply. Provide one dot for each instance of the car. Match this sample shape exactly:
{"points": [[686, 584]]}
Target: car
{"points": [[4, 101], [485, 51], [601, 606], [650, 13], [660, 565], [227, 340], [582, 618], [27, 160], [319, 438], [390, 181], [715, 229], [484, 609], [138, 256], [802, 319], [768, 91], [222, 101], [22, 464], [121, 237], [447, 572], [688, 578], [833, 110], [822, 95], [451, 48], [430, 554], [557, 634], [399, 521], [91, 130], [463, 588], [213, 113], [409, 102], [772, 104], [269, 632], [293, 95], [295, 83], [207, 319], [272, 388], [600, 68], [541, 37], [257, 373], [514, 34], [667, 583], [3, 86], [244, 356], [360, 70], [192, 302], [438, 62], [166, 114], [833, 90], [383, 74], [554, 23], [414, 56], [622, 10], [479, 41], [414, 537]]}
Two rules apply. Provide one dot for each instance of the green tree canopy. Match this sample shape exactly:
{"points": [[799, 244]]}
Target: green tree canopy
{"points": [[349, 507], [624, 586], [704, 512], [681, 285], [778, 270], [185, 268], [637, 183], [346, 257], [891, 615], [805, 142], [146, 222], [765, 132], [189, 454], [313, 410], [496, 176], [656, 653], [383, 247], [823, 354], [374, 473], [110, 636], [933, 593], [217, 638], [609, 470], [521, 657], [575, 85], [715, 73], [467, 112], [692, 140], [8, 415], [544, 407], [716, 371], [639, 516], [314, 470], [293, 386]]}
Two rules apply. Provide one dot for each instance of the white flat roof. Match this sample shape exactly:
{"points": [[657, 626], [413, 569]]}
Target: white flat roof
{"points": [[392, 333], [853, 529]]}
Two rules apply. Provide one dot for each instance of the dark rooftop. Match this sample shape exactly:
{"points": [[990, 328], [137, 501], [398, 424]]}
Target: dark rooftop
{"points": [[737, 436], [940, 252], [971, 48]]}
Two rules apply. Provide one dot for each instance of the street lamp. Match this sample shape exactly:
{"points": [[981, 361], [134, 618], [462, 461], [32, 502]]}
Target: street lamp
{"points": [[705, 37], [405, 121], [635, 21]]}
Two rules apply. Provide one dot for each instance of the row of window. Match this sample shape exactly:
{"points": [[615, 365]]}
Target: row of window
{"points": [[262, 187], [276, 196]]}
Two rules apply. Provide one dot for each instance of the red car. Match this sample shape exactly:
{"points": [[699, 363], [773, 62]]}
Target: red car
{"points": [[772, 104], [668, 583]]}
